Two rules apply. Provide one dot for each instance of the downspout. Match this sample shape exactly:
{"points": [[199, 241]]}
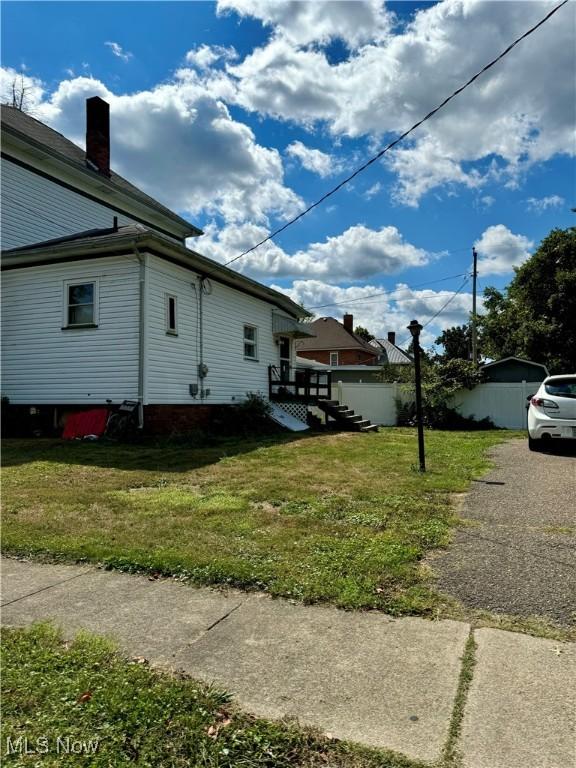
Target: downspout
{"points": [[141, 329], [200, 336]]}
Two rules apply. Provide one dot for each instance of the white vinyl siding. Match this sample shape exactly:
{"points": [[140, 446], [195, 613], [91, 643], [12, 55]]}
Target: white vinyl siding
{"points": [[35, 209], [44, 363], [231, 375], [172, 362]]}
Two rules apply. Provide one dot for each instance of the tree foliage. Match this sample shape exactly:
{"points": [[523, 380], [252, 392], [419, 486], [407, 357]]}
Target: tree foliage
{"points": [[535, 317], [457, 343], [364, 333]]}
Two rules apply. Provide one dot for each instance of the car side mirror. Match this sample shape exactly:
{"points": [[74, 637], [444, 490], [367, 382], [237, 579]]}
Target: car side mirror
{"points": [[529, 397]]}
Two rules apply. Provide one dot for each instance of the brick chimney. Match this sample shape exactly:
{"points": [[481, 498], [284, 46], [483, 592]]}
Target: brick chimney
{"points": [[348, 322], [392, 337], [98, 134]]}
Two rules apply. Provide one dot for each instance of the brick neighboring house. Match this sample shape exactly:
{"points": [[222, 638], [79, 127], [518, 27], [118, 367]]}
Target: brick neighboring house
{"points": [[336, 344]]}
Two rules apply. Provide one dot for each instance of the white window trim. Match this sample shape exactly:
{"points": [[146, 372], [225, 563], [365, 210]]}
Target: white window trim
{"points": [[170, 331], [250, 341], [96, 314], [337, 358]]}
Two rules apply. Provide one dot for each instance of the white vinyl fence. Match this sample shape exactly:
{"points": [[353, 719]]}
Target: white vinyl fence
{"points": [[505, 404]]}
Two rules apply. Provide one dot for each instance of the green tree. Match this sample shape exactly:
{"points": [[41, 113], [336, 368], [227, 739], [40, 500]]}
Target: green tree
{"points": [[457, 343], [534, 317], [364, 333]]}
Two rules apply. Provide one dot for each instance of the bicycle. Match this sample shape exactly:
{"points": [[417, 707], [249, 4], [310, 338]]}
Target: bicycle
{"points": [[123, 423]]}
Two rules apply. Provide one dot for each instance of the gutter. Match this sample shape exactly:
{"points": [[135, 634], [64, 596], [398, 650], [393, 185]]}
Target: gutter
{"points": [[158, 245]]}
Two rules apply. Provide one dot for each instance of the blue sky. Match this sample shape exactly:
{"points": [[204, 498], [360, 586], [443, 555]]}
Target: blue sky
{"points": [[240, 113]]}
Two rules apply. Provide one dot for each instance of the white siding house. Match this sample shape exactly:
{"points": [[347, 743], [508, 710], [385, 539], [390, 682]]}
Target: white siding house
{"points": [[102, 301]]}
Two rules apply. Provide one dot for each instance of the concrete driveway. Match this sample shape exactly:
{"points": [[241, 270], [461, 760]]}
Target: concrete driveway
{"points": [[516, 552]]}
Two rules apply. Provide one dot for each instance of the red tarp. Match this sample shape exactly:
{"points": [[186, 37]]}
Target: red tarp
{"points": [[86, 423]]}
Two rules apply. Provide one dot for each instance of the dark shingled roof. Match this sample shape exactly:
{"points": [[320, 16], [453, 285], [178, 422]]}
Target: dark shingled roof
{"points": [[331, 334], [88, 235], [19, 122]]}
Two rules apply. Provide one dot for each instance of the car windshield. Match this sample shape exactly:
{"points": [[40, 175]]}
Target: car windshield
{"points": [[561, 387]]}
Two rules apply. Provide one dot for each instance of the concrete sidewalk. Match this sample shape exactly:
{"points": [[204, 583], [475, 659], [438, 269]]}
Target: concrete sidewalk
{"points": [[365, 677]]}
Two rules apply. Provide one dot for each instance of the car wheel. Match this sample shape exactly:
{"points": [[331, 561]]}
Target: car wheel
{"points": [[534, 445]]}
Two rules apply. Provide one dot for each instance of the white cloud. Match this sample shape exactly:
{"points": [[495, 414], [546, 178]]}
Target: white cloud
{"points": [[541, 204], [373, 191], [519, 112], [119, 52], [205, 56], [500, 250], [300, 22], [312, 159], [356, 254], [181, 145], [380, 314]]}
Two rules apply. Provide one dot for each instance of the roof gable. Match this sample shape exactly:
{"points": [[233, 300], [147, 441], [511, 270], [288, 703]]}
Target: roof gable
{"points": [[331, 334], [17, 123]]}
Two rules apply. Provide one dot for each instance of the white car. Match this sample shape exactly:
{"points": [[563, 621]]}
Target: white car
{"points": [[552, 411]]}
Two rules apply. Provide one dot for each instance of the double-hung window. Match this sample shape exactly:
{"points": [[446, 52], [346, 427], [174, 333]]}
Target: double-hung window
{"points": [[333, 358], [250, 342], [80, 304]]}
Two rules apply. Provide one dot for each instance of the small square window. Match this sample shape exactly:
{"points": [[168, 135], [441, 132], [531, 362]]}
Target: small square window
{"points": [[80, 304], [171, 315], [250, 342], [333, 358]]}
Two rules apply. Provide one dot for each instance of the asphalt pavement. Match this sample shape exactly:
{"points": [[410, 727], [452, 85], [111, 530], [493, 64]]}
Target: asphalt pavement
{"points": [[516, 550]]}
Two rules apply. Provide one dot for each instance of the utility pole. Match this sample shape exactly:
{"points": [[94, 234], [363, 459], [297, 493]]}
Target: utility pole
{"points": [[474, 278]]}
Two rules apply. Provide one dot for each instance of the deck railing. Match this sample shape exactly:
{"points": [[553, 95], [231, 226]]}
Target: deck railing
{"points": [[305, 385]]}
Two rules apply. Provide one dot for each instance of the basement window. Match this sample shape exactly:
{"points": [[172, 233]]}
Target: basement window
{"points": [[80, 304], [171, 315], [250, 342]]}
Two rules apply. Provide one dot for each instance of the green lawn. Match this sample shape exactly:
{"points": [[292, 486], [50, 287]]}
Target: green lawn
{"points": [[342, 517], [108, 711]]}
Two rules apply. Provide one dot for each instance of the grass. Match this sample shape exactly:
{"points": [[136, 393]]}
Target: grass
{"points": [[344, 518], [61, 696], [451, 757]]}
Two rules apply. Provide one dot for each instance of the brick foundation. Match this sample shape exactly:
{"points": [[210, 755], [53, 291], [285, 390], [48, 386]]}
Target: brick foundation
{"points": [[177, 419]]}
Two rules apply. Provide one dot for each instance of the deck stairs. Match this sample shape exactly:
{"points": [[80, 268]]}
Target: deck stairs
{"points": [[344, 418]]}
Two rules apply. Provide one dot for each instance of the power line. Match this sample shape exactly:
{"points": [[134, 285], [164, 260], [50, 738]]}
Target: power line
{"points": [[388, 294], [439, 312], [400, 138]]}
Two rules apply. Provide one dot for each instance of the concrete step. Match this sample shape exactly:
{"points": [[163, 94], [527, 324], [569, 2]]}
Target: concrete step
{"points": [[369, 428]]}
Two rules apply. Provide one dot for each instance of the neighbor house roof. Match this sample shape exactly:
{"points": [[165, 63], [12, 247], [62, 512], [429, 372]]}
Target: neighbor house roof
{"points": [[132, 237], [331, 334], [35, 133], [516, 359], [390, 353]]}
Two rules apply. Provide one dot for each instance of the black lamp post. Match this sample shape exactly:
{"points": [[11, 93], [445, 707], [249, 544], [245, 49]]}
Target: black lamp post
{"points": [[415, 329]]}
